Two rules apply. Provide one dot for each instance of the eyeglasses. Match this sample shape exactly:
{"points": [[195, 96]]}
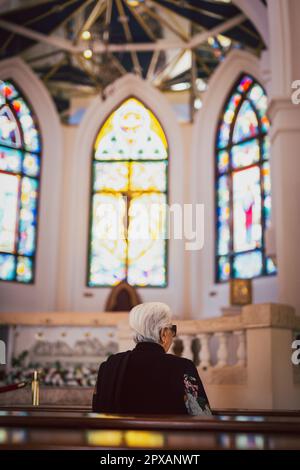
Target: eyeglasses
{"points": [[173, 328]]}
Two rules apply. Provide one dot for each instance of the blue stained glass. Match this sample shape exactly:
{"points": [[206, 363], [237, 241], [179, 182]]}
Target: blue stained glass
{"points": [[229, 113], [271, 268], [245, 83], [248, 265], [19, 169], [31, 164], [7, 267], [27, 220], [266, 148], [223, 268], [7, 90], [30, 132], [246, 124], [223, 137], [10, 160], [223, 161], [9, 130], [265, 124], [243, 184], [223, 216], [24, 269]]}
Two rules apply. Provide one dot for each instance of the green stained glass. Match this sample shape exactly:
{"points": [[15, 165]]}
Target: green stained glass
{"points": [[19, 185], [128, 213]]}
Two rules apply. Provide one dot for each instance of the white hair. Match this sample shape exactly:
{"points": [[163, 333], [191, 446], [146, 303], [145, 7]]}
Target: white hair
{"points": [[148, 319]]}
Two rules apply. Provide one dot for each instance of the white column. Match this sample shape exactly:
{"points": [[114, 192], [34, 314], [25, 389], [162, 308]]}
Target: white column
{"points": [[285, 144], [222, 353], [204, 351], [241, 348], [187, 346]]}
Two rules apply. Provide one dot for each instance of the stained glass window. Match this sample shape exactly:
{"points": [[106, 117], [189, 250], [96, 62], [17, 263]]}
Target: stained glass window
{"points": [[20, 153], [129, 196], [243, 184]]}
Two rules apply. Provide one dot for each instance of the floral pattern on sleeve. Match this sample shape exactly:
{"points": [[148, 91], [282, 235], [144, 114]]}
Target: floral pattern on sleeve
{"points": [[196, 405]]}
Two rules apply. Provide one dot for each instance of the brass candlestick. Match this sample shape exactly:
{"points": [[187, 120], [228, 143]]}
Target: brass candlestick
{"points": [[35, 389]]}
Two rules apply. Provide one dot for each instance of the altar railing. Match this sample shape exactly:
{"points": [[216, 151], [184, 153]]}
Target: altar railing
{"points": [[244, 360]]}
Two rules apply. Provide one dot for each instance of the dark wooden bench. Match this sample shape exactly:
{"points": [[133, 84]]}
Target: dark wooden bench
{"points": [[74, 429]]}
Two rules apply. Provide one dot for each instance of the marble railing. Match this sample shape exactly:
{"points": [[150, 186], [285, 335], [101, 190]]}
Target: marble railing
{"points": [[215, 342], [244, 360]]}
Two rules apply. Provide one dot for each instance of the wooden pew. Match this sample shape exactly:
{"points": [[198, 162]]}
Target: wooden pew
{"points": [[73, 428], [216, 412]]}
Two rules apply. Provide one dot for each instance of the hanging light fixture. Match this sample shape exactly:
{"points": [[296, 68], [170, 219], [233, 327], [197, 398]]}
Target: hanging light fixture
{"points": [[86, 35], [88, 53]]}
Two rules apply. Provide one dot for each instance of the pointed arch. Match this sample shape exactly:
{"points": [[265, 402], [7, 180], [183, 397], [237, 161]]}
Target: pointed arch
{"points": [[39, 140], [129, 179], [80, 178], [203, 185], [257, 12], [243, 183], [20, 163]]}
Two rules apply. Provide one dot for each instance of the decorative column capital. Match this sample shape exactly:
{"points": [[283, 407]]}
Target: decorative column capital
{"points": [[284, 115]]}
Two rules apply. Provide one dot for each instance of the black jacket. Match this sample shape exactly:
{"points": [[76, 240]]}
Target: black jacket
{"points": [[146, 380]]}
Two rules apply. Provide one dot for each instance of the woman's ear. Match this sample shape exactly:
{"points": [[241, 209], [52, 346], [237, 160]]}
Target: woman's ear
{"points": [[162, 335]]}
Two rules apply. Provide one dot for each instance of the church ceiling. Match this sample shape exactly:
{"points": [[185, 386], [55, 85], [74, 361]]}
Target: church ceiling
{"points": [[78, 47]]}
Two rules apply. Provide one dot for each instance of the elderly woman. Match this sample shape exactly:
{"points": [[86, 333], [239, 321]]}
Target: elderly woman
{"points": [[146, 380]]}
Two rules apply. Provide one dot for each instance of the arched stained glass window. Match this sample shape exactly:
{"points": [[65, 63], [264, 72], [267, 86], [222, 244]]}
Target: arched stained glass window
{"points": [[129, 178], [243, 184], [20, 153]]}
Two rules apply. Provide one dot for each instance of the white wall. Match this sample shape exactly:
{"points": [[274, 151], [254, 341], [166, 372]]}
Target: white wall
{"points": [[73, 293], [207, 297], [64, 210]]}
